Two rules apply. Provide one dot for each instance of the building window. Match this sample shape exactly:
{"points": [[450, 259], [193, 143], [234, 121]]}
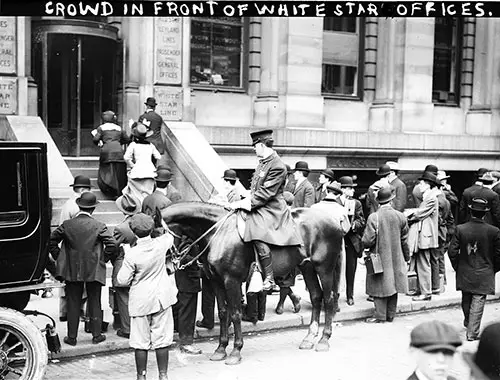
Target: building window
{"points": [[448, 37], [217, 51], [343, 39]]}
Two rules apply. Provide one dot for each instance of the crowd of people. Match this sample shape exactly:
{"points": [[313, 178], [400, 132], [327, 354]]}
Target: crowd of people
{"points": [[153, 302]]}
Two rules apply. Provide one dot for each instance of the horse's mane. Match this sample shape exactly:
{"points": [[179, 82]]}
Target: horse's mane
{"points": [[181, 211]]}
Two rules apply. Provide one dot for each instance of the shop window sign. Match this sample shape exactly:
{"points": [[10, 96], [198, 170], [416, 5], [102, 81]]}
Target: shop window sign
{"points": [[216, 52]]}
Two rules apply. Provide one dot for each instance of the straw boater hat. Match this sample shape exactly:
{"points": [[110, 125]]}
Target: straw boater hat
{"points": [[393, 165], [442, 175]]}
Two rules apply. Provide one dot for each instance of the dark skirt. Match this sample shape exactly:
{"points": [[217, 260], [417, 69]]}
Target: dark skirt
{"points": [[112, 178]]}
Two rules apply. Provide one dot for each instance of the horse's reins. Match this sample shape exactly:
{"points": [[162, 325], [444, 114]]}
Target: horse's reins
{"points": [[186, 250]]}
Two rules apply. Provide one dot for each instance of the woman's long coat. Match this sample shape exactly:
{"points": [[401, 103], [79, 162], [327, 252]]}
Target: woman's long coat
{"points": [[393, 249]]}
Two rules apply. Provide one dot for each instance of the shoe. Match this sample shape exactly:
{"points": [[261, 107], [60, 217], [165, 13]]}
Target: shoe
{"points": [[246, 318], [261, 317], [279, 309], [98, 339], [373, 320], [141, 376], [122, 334], [203, 325], [296, 303], [163, 376], [422, 297], [190, 349], [63, 318], [413, 293], [390, 319], [370, 298], [350, 301], [268, 284], [70, 341], [436, 292], [104, 326]]}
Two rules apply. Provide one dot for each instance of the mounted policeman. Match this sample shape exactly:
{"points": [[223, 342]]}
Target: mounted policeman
{"points": [[269, 221]]}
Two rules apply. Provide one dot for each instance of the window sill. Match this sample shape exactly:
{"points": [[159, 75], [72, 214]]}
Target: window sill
{"points": [[341, 97], [238, 90], [450, 105]]}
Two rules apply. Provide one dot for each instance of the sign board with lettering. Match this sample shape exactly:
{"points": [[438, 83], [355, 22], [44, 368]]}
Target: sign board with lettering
{"points": [[168, 50], [170, 102], [8, 96], [7, 45]]}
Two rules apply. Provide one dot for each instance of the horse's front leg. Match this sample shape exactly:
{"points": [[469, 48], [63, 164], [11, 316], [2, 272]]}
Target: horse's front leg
{"points": [[315, 293], [220, 352], [233, 291]]}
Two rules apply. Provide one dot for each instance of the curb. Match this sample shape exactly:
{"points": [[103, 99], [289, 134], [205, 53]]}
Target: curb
{"points": [[272, 323]]}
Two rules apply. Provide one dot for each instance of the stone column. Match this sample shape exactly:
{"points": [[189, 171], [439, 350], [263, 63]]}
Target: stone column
{"points": [[266, 107], [479, 115], [132, 104], [300, 72], [415, 65], [382, 108]]}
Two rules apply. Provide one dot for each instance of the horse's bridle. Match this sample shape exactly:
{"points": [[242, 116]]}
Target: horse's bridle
{"points": [[177, 256]]}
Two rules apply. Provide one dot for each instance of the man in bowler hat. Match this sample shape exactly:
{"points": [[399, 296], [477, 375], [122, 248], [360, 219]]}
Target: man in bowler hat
{"points": [[159, 199], [269, 219], [304, 190], [475, 254], [326, 177], [153, 121], [87, 245], [433, 345]]}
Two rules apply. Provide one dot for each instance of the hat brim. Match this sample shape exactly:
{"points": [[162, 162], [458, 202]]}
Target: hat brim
{"points": [[349, 185], [468, 358], [479, 210], [387, 200], [151, 104], [87, 206], [438, 183], [302, 170], [438, 347], [445, 177], [80, 185], [120, 207], [229, 178], [380, 174]]}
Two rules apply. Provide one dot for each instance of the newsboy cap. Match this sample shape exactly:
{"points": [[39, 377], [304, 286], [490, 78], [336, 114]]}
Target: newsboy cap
{"points": [[261, 136], [141, 224], [435, 336]]}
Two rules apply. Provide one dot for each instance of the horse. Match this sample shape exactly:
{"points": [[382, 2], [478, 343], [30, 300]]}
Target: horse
{"points": [[227, 259]]}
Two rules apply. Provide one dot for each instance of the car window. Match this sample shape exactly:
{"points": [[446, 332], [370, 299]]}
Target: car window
{"points": [[13, 202]]}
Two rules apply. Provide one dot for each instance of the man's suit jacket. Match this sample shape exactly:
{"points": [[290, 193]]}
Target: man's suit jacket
{"points": [[144, 270], [358, 222], [123, 235], [289, 183], [154, 122], [477, 191], [154, 201], [427, 214], [399, 202], [304, 194], [320, 193], [474, 252], [87, 245]]}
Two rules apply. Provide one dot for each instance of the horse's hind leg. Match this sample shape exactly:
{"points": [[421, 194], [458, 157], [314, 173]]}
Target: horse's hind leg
{"points": [[220, 352], [233, 292], [315, 293], [330, 286]]}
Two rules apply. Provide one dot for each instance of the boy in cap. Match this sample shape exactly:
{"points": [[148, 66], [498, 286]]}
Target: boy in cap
{"points": [[433, 345], [152, 294], [269, 220], [473, 252]]}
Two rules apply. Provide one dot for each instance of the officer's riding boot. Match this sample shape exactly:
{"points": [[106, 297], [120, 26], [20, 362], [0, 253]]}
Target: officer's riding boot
{"points": [[261, 302], [250, 313], [264, 253]]}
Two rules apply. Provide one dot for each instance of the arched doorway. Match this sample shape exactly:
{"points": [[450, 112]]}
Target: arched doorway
{"points": [[75, 68]]}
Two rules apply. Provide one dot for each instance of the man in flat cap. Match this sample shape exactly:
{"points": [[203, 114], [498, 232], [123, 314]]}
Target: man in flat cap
{"points": [[304, 190], [433, 345], [474, 254], [269, 219]]}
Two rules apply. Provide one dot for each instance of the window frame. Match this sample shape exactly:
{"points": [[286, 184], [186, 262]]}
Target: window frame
{"points": [[244, 62], [361, 64], [459, 48]]}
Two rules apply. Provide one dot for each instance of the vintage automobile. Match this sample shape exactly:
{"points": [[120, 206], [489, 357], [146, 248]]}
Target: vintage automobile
{"points": [[25, 212]]}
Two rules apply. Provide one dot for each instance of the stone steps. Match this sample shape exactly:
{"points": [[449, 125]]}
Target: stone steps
{"points": [[106, 211]]}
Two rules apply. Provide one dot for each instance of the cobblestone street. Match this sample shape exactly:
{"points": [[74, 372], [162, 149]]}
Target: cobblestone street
{"points": [[358, 351]]}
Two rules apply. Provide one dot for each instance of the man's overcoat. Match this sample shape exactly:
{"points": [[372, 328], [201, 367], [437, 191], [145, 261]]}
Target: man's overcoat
{"points": [[473, 251], [303, 194], [270, 220], [392, 246]]}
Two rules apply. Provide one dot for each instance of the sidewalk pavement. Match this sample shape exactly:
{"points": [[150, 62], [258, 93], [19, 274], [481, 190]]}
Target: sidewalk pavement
{"points": [[360, 310]]}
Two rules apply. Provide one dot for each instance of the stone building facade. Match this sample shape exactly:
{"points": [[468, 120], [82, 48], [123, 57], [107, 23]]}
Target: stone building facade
{"points": [[346, 93]]}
